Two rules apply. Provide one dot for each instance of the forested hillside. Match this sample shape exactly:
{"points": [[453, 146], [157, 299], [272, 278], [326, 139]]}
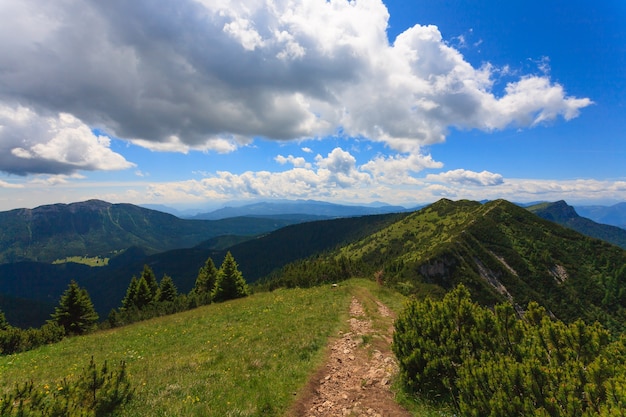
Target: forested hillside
{"points": [[41, 282], [500, 251], [98, 228]]}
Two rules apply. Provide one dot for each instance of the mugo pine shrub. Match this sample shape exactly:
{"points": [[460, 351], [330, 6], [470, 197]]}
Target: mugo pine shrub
{"points": [[491, 363], [96, 392]]}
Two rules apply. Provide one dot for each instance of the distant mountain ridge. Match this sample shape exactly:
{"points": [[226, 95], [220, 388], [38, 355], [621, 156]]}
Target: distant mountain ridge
{"points": [[566, 215], [614, 215], [302, 207], [98, 228]]}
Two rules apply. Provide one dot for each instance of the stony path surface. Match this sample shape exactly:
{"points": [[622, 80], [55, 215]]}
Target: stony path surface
{"points": [[356, 379]]}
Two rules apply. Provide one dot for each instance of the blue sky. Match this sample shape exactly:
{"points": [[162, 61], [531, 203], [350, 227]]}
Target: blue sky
{"points": [[198, 103]]}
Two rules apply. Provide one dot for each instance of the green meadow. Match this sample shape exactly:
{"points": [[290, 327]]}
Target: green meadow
{"points": [[247, 357]]}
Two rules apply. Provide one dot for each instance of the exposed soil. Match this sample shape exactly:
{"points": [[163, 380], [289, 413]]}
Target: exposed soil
{"points": [[356, 379]]}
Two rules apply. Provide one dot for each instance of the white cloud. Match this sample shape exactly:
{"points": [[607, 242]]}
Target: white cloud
{"points": [[298, 162], [53, 180], [339, 169], [175, 144], [468, 178], [398, 168], [4, 184], [53, 144], [213, 75]]}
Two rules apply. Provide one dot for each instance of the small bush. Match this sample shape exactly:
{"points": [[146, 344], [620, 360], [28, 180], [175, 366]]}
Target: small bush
{"points": [[96, 392]]}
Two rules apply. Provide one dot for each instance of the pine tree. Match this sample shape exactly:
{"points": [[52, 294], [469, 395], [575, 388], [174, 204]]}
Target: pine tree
{"points": [[131, 294], [151, 280], [75, 312], [167, 289], [207, 276], [230, 283], [143, 297], [4, 324]]}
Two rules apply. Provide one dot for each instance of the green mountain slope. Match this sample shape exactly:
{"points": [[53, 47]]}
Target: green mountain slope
{"points": [[256, 257], [97, 228], [565, 215], [501, 252], [243, 357]]}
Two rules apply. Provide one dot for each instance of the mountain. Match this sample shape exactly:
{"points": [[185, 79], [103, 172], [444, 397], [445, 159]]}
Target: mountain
{"points": [[302, 207], [257, 257], [498, 250], [614, 215], [565, 215], [98, 228]]}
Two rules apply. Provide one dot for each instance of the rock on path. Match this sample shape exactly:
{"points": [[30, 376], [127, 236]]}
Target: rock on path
{"points": [[356, 378]]}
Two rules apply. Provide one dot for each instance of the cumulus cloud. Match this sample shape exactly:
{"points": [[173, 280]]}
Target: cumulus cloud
{"points": [[465, 177], [398, 168], [53, 144], [299, 162], [213, 75]]}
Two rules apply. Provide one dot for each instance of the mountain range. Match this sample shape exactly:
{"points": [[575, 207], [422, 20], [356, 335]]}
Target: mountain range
{"points": [[500, 250], [316, 209], [614, 215], [562, 213], [97, 228]]}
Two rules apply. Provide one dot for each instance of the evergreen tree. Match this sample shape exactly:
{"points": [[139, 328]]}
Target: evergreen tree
{"points": [[75, 312], [131, 294], [167, 289], [207, 276], [151, 280], [4, 324], [143, 297], [230, 283]]}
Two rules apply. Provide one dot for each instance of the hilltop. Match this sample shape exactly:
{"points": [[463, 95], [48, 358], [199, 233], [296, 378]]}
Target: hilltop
{"points": [[500, 251]]}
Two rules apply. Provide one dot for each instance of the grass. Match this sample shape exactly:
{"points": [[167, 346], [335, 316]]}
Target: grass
{"points": [[246, 357]]}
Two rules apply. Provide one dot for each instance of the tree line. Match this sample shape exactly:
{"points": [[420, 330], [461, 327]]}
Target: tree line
{"points": [[145, 298]]}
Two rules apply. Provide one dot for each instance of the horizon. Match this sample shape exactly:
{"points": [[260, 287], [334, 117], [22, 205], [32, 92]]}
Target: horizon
{"points": [[234, 204], [194, 104]]}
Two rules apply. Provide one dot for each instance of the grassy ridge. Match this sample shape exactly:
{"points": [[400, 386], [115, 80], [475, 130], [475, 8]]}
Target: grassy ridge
{"points": [[242, 358]]}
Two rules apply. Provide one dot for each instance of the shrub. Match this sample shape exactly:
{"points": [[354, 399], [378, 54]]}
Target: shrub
{"points": [[96, 392], [491, 363]]}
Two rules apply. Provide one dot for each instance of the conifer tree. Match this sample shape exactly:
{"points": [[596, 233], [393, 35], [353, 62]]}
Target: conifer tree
{"points": [[131, 293], [143, 297], [167, 289], [75, 312], [207, 276], [151, 280], [4, 324], [230, 283]]}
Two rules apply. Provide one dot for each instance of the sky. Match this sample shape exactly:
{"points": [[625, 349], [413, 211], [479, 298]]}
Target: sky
{"points": [[199, 103]]}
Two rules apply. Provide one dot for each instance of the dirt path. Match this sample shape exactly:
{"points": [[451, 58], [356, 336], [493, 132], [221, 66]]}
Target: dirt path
{"points": [[356, 379]]}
